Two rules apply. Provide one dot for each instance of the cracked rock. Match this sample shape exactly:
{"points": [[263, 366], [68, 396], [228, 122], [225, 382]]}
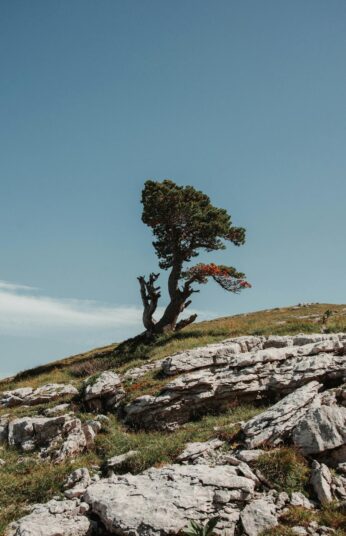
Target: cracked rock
{"points": [[167, 498], [55, 518], [258, 516], [244, 376], [104, 393], [274, 424], [30, 397]]}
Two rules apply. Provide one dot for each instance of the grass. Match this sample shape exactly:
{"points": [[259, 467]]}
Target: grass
{"points": [[31, 481], [332, 515], [157, 448], [285, 469]]}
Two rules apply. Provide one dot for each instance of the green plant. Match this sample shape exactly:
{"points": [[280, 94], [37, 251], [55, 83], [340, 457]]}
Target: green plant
{"points": [[183, 222], [285, 468], [197, 529]]}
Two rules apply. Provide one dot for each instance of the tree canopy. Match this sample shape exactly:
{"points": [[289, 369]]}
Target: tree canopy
{"points": [[184, 222]]}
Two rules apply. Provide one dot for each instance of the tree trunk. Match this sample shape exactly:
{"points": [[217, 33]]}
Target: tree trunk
{"points": [[178, 302]]}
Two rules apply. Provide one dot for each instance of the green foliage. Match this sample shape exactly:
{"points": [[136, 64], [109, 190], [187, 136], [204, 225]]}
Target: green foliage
{"points": [[285, 468], [183, 220], [196, 529]]}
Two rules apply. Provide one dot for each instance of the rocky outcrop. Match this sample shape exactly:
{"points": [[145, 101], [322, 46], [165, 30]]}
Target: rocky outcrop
{"points": [[56, 518], [56, 437], [222, 353], [314, 421], [273, 425], [31, 397], [104, 392], [226, 377], [159, 502]]}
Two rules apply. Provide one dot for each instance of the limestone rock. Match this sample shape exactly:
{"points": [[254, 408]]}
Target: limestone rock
{"points": [[323, 428], [57, 437], [193, 451], [321, 480], [77, 483], [117, 461], [56, 518], [104, 393], [31, 397], [56, 410], [249, 455], [257, 516], [4, 420], [243, 376], [272, 425], [137, 372], [210, 355], [167, 498]]}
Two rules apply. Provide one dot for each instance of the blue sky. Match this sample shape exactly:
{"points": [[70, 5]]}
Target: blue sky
{"points": [[244, 100]]}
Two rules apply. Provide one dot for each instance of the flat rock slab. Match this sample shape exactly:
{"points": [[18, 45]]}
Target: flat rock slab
{"points": [[223, 352], [159, 502], [56, 518], [246, 376], [31, 397]]}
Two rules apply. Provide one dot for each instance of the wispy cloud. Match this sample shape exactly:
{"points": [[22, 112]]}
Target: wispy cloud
{"points": [[5, 285], [24, 311]]}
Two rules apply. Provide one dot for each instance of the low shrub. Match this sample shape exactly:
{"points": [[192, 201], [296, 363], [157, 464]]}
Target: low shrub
{"points": [[285, 468]]}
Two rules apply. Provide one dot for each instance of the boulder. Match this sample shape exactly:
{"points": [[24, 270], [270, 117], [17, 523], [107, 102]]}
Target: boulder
{"points": [[254, 375], [104, 392], [258, 516], [57, 437], [322, 429], [161, 501], [274, 424], [55, 518], [31, 397], [321, 480]]}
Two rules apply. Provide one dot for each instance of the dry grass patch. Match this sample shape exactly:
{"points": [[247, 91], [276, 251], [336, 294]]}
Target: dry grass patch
{"points": [[285, 469]]}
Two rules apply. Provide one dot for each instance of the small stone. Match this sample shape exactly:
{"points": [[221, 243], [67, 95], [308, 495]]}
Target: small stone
{"points": [[118, 461], [298, 499], [249, 455], [300, 531]]}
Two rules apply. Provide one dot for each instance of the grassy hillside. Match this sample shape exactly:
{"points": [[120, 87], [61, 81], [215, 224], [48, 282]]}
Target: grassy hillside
{"points": [[26, 480]]}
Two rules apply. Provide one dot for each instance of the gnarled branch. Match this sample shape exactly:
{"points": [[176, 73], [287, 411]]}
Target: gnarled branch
{"points": [[150, 296]]}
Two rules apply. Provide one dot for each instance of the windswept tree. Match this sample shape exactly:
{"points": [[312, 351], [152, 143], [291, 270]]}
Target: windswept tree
{"points": [[184, 222]]}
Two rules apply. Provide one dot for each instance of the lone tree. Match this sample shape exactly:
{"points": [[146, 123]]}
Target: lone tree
{"points": [[183, 222]]}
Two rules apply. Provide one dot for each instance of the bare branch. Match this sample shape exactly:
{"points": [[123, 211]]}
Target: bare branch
{"points": [[185, 322]]}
